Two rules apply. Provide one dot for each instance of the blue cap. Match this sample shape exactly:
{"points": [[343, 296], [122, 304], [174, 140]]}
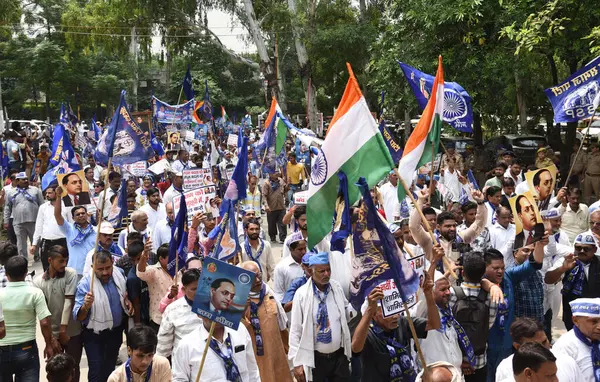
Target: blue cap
{"points": [[585, 307], [21, 175], [306, 258], [585, 238], [320, 258], [552, 213], [393, 227]]}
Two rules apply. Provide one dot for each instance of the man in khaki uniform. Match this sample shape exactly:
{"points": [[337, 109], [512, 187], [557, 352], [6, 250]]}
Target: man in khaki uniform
{"points": [[578, 164], [458, 160], [592, 174]]}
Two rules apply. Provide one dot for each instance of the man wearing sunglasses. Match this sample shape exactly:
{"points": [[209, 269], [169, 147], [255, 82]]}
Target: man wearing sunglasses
{"points": [[580, 273]]}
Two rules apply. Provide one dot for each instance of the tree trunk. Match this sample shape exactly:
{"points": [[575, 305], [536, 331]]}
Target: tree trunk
{"points": [[282, 100], [134, 53], [305, 70], [521, 105], [266, 65]]}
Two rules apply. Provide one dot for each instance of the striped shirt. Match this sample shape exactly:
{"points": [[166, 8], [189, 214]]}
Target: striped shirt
{"points": [[177, 321]]}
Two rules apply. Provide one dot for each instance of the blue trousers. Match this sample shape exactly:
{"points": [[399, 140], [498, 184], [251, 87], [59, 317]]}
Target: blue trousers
{"points": [[102, 350], [21, 362]]}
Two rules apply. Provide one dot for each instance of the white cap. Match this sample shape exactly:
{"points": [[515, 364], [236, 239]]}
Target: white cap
{"points": [[106, 228]]}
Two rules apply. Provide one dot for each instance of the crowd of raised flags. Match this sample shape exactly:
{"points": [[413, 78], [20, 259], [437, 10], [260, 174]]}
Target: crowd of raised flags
{"points": [[374, 262]]}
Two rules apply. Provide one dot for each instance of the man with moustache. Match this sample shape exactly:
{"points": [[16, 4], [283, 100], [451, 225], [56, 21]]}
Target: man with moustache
{"points": [[256, 249], [47, 233]]}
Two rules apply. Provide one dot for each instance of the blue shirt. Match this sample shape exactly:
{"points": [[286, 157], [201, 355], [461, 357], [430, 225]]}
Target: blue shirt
{"points": [[112, 292], [77, 253], [499, 337], [291, 291], [10, 147]]}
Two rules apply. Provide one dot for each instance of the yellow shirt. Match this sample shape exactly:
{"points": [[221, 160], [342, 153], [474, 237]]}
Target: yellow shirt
{"points": [[295, 172]]}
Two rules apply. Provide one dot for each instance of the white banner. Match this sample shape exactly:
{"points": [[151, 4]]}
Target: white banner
{"points": [[196, 200], [197, 177]]}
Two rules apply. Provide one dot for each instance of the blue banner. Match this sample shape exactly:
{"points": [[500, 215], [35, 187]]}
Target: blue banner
{"points": [[173, 114], [578, 97], [62, 150], [188, 85], [124, 140], [457, 102], [392, 144]]}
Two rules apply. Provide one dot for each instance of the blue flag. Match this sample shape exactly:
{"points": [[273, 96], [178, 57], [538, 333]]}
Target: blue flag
{"points": [[225, 233], [156, 145], [63, 153], [391, 142], [118, 211], [96, 129], [240, 141], [457, 102], [123, 140], [472, 180], [64, 115], [345, 226], [188, 85], [578, 97], [206, 108], [377, 256], [177, 237], [3, 161], [236, 189]]}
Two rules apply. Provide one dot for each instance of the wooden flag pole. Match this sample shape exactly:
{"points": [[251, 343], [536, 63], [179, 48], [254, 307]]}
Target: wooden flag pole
{"points": [[210, 334], [415, 338], [431, 174], [101, 217], [427, 226], [172, 123], [580, 147]]}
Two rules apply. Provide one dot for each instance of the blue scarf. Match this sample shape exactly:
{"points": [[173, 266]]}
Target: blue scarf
{"points": [[448, 319], [259, 251], [22, 191], [143, 192], [324, 328], [82, 233], [254, 321], [502, 312], [233, 373], [113, 250], [573, 282], [130, 375], [274, 186], [401, 363], [595, 345], [493, 207]]}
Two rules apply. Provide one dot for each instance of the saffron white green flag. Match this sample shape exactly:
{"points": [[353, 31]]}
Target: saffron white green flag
{"points": [[423, 143], [354, 145]]}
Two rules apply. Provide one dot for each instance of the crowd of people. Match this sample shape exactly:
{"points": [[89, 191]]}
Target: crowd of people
{"points": [[485, 315]]}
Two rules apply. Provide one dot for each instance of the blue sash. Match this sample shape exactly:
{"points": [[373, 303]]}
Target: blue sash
{"points": [[573, 281], [233, 373], [255, 322], [22, 191], [448, 319], [130, 375], [323, 326], [401, 363], [81, 234], [259, 251], [595, 345]]}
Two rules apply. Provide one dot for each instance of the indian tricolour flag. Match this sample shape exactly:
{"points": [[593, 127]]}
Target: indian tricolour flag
{"points": [[224, 114], [354, 145], [424, 140]]}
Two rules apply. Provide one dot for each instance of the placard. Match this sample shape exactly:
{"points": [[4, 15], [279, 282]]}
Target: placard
{"points": [[197, 177], [196, 200], [232, 140], [137, 169], [75, 190], [392, 303], [222, 292], [541, 183], [189, 135], [159, 167], [529, 227], [300, 198]]}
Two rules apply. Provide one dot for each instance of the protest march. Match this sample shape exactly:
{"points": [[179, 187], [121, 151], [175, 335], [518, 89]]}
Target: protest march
{"points": [[183, 246]]}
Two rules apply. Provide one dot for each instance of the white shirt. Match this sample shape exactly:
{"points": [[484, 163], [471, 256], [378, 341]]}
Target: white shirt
{"points": [[87, 268], [335, 323], [161, 234], [491, 214], [266, 259], [518, 180], [107, 206], [503, 239], [566, 368], [574, 223], [187, 357], [154, 216], [570, 345], [391, 205], [46, 226], [286, 271], [179, 166], [146, 234], [450, 180], [178, 320], [440, 346], [170, 194]]}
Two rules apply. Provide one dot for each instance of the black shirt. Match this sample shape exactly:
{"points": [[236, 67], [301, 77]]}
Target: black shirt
{"points": [[375, 357]]}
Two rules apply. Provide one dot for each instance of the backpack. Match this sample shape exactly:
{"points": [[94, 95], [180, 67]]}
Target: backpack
{"points": [[474, 316]]}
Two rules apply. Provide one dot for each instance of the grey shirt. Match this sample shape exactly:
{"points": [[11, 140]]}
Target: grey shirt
{"points": [[22, 209]]}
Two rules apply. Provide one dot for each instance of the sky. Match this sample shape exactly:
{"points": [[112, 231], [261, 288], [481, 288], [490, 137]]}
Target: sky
{"points": [[221, 24]]}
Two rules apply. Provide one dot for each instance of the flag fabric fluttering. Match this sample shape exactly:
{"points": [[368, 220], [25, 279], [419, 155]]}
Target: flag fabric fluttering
{"points": [[342, 226], [124, 140], [264, 151], [236, 189], [457, 109], [377, 257], [63, 157], [391, 142], [354, 145], [156, 145], [225, 233], [118, 213], [224, 114], [177, 236], [281, 132], [418, 150], [206, 107], [577, 97], [3, 161], [188, 85], [240, 140], [472, 180], [96, 129]]}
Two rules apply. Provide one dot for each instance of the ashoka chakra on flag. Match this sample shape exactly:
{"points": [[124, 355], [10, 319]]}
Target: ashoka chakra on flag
{"points": [[318, 174]]}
